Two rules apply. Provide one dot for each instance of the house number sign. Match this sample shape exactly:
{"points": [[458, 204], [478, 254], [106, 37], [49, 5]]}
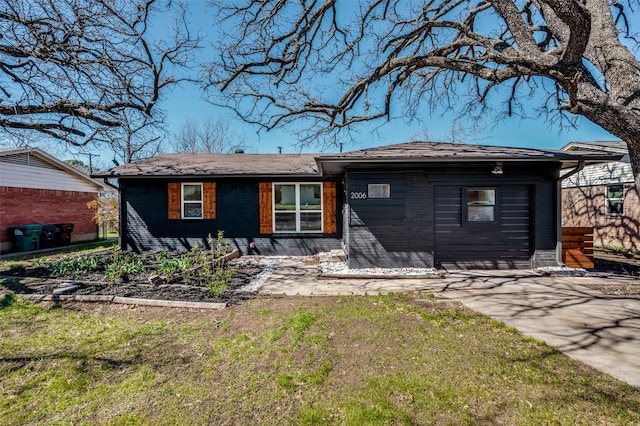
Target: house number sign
{"points": [[358, 195]]}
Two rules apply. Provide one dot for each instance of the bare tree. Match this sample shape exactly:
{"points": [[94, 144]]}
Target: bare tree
{"points": [[139, 136], [309, 60], [212, 136], [73, 69]]}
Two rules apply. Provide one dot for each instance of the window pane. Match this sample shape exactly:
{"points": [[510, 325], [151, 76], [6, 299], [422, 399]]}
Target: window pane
{"points": [[615, 207], [285, 197], [486, 197], [310, 197], [192, 210], [615, 191], [310, 221], [192, 192], [480, 214], [379, 190], [286, 222]]}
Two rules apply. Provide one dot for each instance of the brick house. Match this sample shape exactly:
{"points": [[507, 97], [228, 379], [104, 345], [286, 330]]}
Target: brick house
{"points": [[417, 204], [605, 197], [37, 188]]}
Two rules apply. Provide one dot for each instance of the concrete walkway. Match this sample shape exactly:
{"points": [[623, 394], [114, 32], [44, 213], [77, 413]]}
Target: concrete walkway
{"points": [[599, 330]]}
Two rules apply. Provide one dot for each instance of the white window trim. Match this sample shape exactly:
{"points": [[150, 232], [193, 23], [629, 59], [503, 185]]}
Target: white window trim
{"points": [[297, 210], [182, 201], [607, 199]]}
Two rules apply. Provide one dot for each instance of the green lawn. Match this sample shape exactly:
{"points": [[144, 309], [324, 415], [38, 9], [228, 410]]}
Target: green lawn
{"points": [[404, 359]]}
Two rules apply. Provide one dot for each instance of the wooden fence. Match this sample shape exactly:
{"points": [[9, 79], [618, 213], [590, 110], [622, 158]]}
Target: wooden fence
{"points": [[577, 247]]}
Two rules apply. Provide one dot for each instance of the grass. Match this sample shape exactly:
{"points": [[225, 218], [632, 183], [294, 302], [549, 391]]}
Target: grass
{"points": [[29, 259], [343, 360]]}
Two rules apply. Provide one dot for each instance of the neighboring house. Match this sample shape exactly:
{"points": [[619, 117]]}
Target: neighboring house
{"points": [[417, 204], [605, 197], [37, 188]]}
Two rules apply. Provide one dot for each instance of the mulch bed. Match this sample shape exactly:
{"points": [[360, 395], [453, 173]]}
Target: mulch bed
{"points": [[37, 280]]}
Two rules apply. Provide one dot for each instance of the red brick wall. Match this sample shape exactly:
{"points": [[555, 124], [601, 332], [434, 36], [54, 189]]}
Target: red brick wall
{"points": [[19, 206]]}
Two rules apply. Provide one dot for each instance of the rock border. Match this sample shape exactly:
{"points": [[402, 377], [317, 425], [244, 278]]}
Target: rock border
{"points": [[38, 298]]}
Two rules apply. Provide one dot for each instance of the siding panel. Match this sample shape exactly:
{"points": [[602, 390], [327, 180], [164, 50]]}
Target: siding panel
{"points": [[506, 245], [174, 195], [24, 176], [329, 207], [266, 206], [209, 200]]}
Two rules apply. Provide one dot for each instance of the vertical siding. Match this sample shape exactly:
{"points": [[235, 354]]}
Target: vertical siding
{"points": [[174, 202], [266, 207], [329, 208], [209, 200]]}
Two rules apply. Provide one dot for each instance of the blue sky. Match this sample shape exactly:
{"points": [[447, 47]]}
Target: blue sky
{"points": [[187, 102]]}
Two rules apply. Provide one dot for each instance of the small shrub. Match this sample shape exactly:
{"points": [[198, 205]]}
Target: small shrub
{"points": [[122, 265], [209, 267], [78, 265], [174, 265], [8, 300]]}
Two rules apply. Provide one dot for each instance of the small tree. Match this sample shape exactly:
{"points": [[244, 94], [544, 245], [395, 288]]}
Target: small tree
{"points": [[106, 211]]}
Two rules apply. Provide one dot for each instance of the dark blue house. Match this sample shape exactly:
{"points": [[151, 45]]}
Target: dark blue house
{"points": [[420, 204]]}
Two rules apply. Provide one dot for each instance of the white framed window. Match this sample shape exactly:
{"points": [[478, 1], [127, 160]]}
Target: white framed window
{"points": [[481, 205], [379, 190], [191, 201], [614, 202], [297, 207]]}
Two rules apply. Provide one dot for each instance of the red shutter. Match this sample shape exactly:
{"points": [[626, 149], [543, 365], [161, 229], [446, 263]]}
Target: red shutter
{"points": [[174, 194], [209, 200], [329, 207], [266, 208]]}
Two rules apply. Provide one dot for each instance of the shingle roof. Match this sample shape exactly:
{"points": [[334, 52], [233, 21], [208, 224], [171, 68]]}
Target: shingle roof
{"points": [[429, 152], [440, 150], [218, 165], [311, 164]]}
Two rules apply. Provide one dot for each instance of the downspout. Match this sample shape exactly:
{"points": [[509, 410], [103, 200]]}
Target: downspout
{"points": [[578, 168]]}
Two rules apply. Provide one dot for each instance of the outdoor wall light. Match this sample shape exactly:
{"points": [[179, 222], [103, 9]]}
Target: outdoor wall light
{"points": [[497, 170]]}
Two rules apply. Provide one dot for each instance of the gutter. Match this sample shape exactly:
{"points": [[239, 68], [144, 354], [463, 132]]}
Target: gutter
{"points": [[106, 182]]}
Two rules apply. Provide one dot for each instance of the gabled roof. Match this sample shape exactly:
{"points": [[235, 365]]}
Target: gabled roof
{"points": [[18, 155], [430, 152], [619, 147], [218, 165]]}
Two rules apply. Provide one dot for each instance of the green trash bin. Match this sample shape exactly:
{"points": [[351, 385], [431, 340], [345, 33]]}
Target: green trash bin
{"points": [[27, 237]]}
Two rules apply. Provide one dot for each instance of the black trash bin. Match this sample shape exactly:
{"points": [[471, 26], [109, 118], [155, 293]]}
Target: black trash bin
{"points": [[47, 239], [26, 237], [63, 235]]}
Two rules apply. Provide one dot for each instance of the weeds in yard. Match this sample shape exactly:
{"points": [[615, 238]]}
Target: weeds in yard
{"points": [[172, 265], [210, 269], [68, 265], [425, 366], [122, 265]]}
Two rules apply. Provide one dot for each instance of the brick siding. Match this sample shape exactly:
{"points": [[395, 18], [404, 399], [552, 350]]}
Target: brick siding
{"points": [[585, 206], [19, 206]]}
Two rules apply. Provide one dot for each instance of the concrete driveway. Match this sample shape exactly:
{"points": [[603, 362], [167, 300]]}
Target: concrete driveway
{"points": [[599, 330]]}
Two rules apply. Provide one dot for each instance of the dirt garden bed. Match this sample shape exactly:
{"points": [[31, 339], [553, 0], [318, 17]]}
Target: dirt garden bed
{"points": [[154, 275]]}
